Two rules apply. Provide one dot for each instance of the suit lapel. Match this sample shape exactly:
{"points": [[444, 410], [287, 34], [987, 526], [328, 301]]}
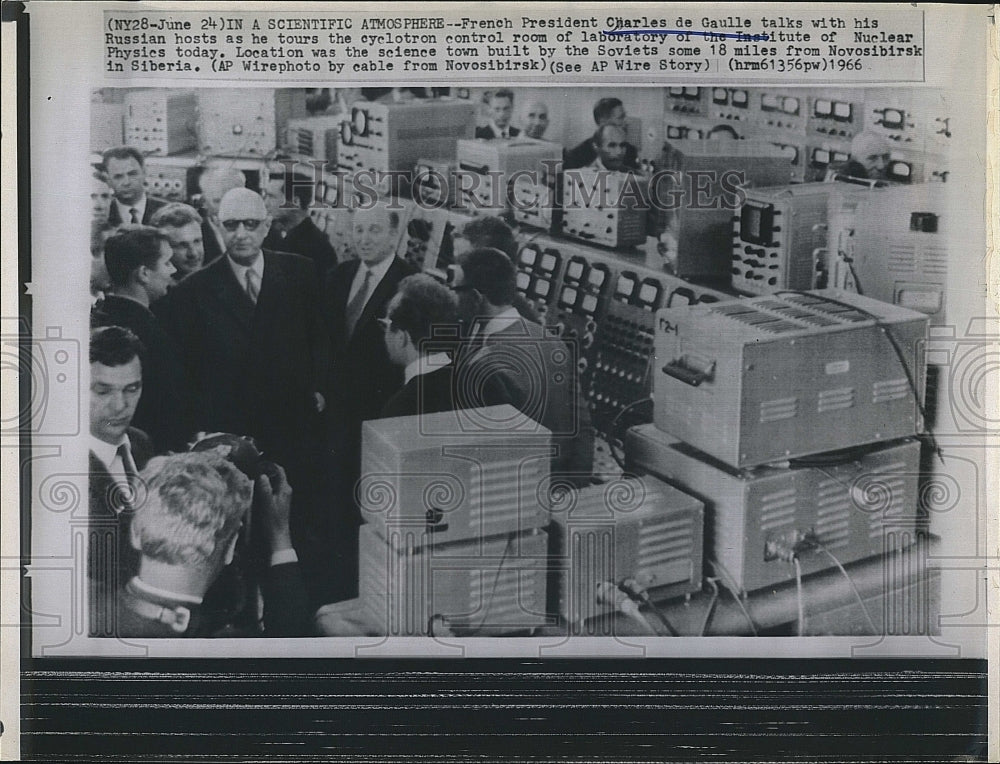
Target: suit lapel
{"points": [[228, 293], [382, 292]]}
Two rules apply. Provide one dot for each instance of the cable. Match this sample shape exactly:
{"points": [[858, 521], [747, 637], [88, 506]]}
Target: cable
{"points": [[798, 596], [613, 430], [719, 567], [496, 580], [711, 606], [632, 588], [849, 262], [854, 588], [609, 594]]}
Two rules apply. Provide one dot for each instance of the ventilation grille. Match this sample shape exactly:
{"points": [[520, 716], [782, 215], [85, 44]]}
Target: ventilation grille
{"points": [[902, 259], [303, 141], [833, 513], [890, 390], [781, 408], [935, 261], [836, 400], [778, 509], [666, 541], [495, 497]]}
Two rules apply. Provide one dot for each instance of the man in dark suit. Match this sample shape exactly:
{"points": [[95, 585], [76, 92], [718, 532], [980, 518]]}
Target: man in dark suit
{"points": [[501, 111], [213, 183], [182, 225], [117, 452], [362, 377], [421, 330], [607, 111], [125, 171], [139, 263], [536, 368], [253, 341], [288, 197], [186, 533]]}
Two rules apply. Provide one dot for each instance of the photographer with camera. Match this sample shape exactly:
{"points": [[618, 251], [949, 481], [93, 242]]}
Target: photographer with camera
{"points": [[188, 531]]}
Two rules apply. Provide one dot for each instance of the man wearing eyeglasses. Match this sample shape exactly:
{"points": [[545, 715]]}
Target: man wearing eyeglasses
{"points": [[252, 338]]}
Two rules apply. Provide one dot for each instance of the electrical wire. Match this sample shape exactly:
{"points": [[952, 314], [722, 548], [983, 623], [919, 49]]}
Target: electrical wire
{"points": [[711, 606], [613, 430], [798, 596], [733, 589], [638, 594], [854, 587], [849, 262]]}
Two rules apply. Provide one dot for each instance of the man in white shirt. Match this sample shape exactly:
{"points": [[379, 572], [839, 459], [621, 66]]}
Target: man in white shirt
{"points": [[117, 453], [125, 171]]}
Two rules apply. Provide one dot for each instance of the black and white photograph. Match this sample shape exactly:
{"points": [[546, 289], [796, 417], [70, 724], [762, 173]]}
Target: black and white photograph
{"points": [[676, 350]]}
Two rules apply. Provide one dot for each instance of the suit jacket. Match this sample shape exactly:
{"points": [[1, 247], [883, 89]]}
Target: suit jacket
{"points": [[163, 410], [111, 560], [213, 250], [436, 391], [487, 132], [286, 613], [541, 381], [584, 154], [254, 368], [152, 205], [362, 377], [307, 240]]}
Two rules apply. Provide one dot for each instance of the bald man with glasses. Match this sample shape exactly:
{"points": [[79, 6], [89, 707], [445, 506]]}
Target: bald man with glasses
{"points": [[252, 338]]}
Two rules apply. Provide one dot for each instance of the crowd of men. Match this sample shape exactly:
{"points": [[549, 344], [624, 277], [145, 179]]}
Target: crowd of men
{"points": [[240, 318]]}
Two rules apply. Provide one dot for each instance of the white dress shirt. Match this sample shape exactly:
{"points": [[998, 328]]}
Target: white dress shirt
{"points": [[505, 318], [425, 364], [125, 210], [240, 271], [378, 273], [107, 454]]}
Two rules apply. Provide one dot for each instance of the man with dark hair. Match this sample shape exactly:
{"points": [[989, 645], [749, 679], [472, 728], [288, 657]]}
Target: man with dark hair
{"points": [[186, 532], [125, 171], [182, 225], [292, 229], [488, 231], [536, 368], [611, 147], [501, 110], [139, 265], [421, 327], [117, 452], [607, 111]]}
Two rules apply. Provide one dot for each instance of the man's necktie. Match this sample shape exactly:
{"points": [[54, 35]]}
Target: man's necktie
{"points": [[253, 288], [357, 303], [131, 476], [135, 215]]}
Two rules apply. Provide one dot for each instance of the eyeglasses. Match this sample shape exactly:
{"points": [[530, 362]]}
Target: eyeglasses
{"points": [[385, 323], [251, 224]]}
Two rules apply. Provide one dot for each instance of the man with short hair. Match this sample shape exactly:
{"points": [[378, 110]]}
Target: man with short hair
{"points": [[610, 145], [607, 111], [125, 171], [213, 184], [140, 268], [186, 533], [501, 110], [117, 452], [292, 228], [536, 368], [421, 327], [252, 339], [182, 225], [536, 119]]}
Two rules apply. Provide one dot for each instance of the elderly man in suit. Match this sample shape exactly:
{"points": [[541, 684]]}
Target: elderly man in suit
{"points": [[607, 111], [117, 452], [535, 367], [125, 171], [253, 340]]}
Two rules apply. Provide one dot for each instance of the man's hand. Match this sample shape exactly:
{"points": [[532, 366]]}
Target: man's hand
{"points": [[276, 500]]}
